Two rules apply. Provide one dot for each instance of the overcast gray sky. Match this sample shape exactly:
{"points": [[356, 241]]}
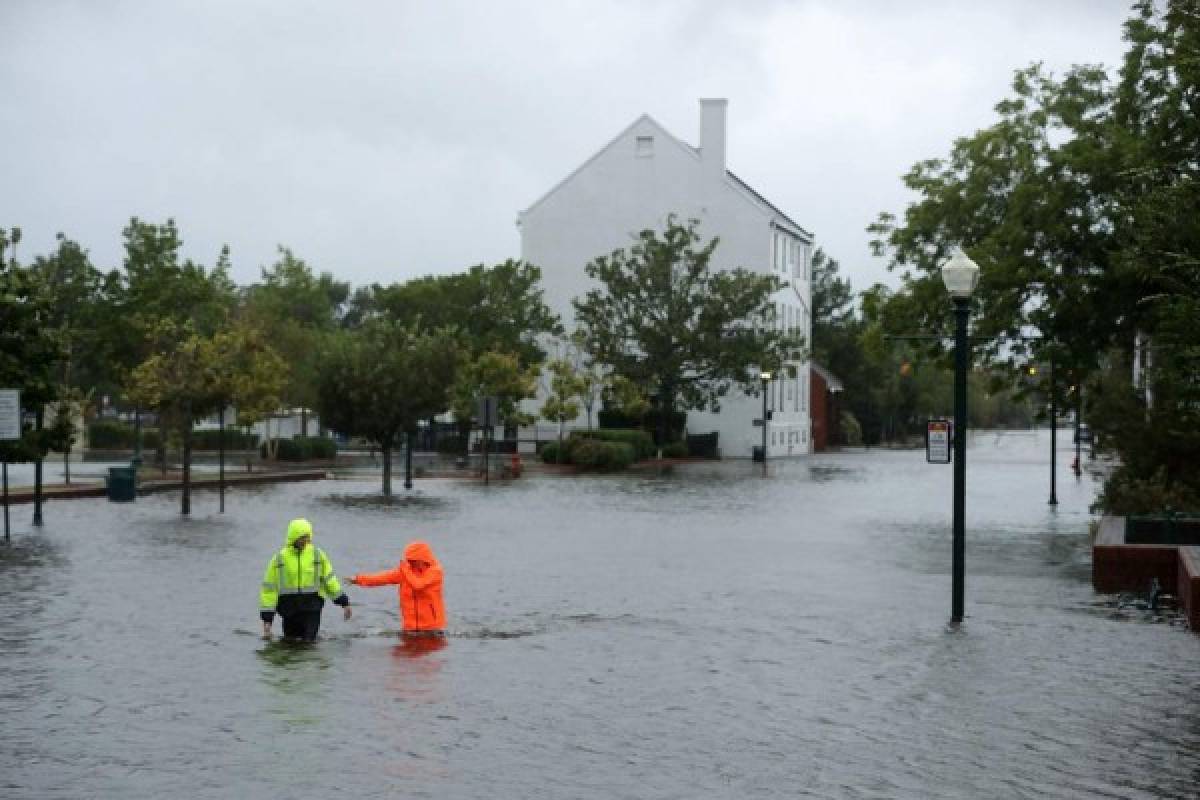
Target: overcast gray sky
{"points": [[385, 140]]}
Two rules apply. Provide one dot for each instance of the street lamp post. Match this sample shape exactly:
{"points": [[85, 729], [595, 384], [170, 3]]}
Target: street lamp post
{"points": [[766, 379], [960, 274]]}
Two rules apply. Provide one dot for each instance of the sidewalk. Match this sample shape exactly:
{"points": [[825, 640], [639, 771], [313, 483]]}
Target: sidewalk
{"points": [[173, 481]]}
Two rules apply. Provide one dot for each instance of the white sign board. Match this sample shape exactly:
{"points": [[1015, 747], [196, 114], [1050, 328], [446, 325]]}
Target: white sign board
{"points": [[937, 441], [10, 414]]}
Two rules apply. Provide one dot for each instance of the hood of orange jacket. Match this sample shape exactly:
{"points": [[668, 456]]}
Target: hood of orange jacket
{"points": [[420, 551]]}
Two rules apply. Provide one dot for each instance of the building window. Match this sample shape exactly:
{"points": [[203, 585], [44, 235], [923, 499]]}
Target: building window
{"points": [[644, 147]]}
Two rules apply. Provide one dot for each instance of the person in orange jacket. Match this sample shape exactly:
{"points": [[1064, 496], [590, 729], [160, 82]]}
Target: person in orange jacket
{"points": [[419, 583]]}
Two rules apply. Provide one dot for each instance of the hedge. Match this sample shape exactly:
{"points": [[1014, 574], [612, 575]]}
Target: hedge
{"points": [[108, 434], [641, 441], [675, 450], [208, 439], [601, 456], [302, 448], [675, 423]]}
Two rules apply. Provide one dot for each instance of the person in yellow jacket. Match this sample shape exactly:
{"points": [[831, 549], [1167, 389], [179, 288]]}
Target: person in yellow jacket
{"points": [[298, 580]]}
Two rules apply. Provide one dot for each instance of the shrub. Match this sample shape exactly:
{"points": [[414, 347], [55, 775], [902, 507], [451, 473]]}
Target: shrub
{"points": [[303, 448], [676, 421], [852, 433], [1127, 493], [451, 445], [602, 456], [702, 445], [234, 440], [675, 450], [110, 434], [641, 442], [551, 454]]}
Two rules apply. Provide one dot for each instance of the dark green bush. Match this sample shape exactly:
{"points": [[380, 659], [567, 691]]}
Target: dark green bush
{"points": [[1127, 493], [702, 445], [451, 445], [111, 434], [676, 421], [641, 441], [675, 450], [303, 448], [602, 456], [551, 454], [234, 440]]}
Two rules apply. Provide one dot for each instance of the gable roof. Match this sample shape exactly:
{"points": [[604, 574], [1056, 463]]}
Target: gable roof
{"points": [[643, 118], [693, 151]]}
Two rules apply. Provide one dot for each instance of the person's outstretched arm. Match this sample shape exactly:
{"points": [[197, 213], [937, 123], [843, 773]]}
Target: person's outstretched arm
{"points": [[388, 577]]}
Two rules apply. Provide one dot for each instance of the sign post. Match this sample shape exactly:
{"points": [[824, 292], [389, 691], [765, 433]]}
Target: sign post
{"points": [[938, 434], [485, 412], [10, 430]]}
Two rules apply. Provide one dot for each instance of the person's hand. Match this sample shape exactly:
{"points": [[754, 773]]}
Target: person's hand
{"points": [[266, 630], [353, 579], [346, 612]]}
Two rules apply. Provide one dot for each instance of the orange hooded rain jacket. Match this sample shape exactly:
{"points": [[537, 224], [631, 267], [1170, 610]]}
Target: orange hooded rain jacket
{"points": [[420, 590]]}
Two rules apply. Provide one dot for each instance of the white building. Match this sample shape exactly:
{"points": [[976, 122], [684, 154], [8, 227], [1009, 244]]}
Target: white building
{"points": [[633, 183]]}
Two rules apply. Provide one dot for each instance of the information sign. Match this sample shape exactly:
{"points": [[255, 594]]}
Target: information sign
{"points": [[10, 414], [937, 441]]}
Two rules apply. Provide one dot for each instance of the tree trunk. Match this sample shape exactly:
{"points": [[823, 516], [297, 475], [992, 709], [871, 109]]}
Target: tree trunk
{"points": [[186, 501], [386, 449], [304, 422], [409, 439]]}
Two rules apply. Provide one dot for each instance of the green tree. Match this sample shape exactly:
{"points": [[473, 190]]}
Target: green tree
{"points": [[197, 375], [566, 385], [378, 381], [296, 309], [31, 350], [77, 308], [495, 309], [157, 294], [498, 375], [685, 333]]}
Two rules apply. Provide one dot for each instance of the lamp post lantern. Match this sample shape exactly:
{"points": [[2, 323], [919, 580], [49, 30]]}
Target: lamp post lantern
{"points": [[960, 275], [766, 379]]}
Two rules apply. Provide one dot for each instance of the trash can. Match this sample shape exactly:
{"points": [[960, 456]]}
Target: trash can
{"points": [[122, 484], [757, 454]]}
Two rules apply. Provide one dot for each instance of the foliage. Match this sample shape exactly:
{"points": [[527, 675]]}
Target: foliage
{"points": [[296, 309], [498, 375], [851, 431], [378, 381], [702, 445], [675, 328], [30, 348], [565, 386], [302, 448], [493, 309], [593, 454], [1080, 203], [641, 441], [677, 449], [110, 434]]}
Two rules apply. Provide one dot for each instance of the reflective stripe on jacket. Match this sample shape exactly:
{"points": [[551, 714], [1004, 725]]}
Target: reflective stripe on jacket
{"points": [[306, 572]]}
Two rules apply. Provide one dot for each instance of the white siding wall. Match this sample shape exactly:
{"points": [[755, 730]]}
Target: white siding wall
{"points": [[633, 184]]}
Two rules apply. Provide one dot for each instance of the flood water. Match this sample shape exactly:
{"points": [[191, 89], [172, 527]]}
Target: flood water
{"points": [[707, 633]]}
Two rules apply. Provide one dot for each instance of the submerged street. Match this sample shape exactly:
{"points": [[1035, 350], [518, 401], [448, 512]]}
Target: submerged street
{"points": [[705, 633]]}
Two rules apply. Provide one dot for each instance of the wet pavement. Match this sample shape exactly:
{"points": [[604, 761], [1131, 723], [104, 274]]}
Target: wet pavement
{"points": [[707, 633]]}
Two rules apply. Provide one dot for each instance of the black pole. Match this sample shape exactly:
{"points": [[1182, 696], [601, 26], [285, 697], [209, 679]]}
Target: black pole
{"points": [[221, 456], [137, 437], [486, 463], [1053, 438], [962, 308], [408, 445], [1079, 413], [6, 535], [765, 382], [37, 475]]}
